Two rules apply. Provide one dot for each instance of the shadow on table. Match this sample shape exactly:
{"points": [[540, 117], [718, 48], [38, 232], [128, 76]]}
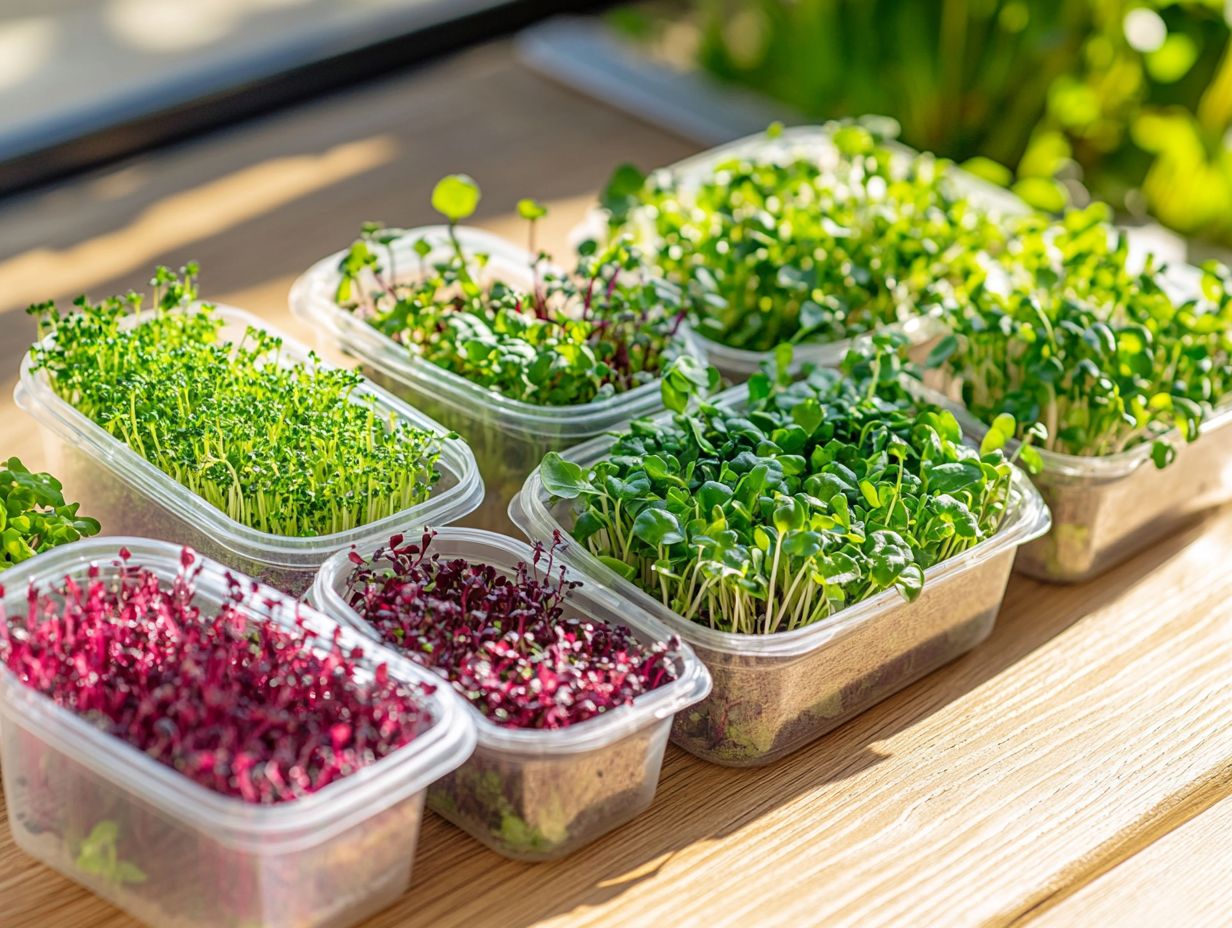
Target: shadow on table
{"points": [[693, 795]]}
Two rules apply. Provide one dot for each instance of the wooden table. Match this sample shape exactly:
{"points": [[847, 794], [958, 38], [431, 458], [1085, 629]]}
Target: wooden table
{"points": [[1075, 769]]}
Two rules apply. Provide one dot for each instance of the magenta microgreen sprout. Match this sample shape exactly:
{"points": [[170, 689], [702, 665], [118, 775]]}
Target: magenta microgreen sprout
{"points": [[504, 641], [238, 704]]}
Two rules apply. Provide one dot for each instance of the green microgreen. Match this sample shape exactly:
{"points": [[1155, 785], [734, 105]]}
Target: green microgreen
{"points": [[284, 447], [798, 249], [775, 514], [569, 338], [34, 516], [1071, 337]]}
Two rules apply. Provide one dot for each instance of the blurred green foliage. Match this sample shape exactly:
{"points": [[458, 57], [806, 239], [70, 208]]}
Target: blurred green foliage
{"points": [[1130, 100]]}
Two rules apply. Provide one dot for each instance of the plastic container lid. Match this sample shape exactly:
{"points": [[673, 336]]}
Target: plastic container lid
{"points": [[287, 826], [312, 300], [1026, 518], [459, 492], [590, 599]]}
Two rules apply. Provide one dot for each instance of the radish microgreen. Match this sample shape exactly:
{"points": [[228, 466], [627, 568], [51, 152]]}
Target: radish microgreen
{"points": [[775, 514]]}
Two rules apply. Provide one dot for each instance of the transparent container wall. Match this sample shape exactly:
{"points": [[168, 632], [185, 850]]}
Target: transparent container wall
{"points": [[165, 872], [122, 509], [1107, 509], [540, 807], [764, 707], [1099, 521], [505, 457]]}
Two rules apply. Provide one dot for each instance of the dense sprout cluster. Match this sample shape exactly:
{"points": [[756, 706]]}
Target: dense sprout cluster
{"points": [[796, 249], [34, 516], [242, 706], [288, 448], [504, 642], [774, 515], [1069, 332], [571, 338]]}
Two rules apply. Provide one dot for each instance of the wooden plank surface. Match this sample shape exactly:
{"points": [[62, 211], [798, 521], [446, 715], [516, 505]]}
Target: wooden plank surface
{"points": [[1183, 879], [1096, 722]]}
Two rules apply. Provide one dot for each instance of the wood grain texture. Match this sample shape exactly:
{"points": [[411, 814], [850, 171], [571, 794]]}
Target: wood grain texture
{"points": [[1094, 721], [1184, 878]]}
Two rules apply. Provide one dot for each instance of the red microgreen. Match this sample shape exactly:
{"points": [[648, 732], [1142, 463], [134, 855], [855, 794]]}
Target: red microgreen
{"points": [[242, 706], [504, 642]]}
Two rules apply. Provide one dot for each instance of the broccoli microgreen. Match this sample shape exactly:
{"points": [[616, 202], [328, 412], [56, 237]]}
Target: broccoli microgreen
{"points": [[799, 250], [816, 494], [1071, 338], [570, 338], [288, 448]]}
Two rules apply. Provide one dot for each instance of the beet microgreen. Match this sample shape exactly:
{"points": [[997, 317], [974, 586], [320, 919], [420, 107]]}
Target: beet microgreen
{"points": [[1068, 336], [816, 495], [288, 448], [504, 642], [240, 705], [570, 338], [800, 250], [34, 516]]}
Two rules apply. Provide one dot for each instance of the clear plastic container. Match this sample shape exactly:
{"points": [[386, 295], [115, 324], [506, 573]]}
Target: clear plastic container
{"points": [[532, 794], [509, 437], [1106, 509], [738, 364], [775, 693], [171, 852], [130, 496]]}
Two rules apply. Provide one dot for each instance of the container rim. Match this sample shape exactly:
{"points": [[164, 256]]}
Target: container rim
{"points": [[312, 302], [299, 823], [34, 394], [1027, 517], [690, 686]]}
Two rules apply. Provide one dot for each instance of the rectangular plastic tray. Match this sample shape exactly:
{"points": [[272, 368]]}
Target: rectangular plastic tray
{"points": [[130, 496], [738, 364], [508, 437], [775, 693], [539, 794], [1106, 509], [203, 859]]}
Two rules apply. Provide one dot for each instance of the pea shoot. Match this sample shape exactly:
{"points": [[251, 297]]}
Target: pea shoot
{"points": [[288, 448], [774, 515], [1067, 335], [572, 338], [799, 250]]}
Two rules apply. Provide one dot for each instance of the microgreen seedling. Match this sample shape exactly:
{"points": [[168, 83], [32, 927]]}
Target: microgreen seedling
{"points": [[770, 517], [504, 642], [605, 328], [288, 448], [1090, 354], [239, 704], [796, 249], [34, 516]]}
